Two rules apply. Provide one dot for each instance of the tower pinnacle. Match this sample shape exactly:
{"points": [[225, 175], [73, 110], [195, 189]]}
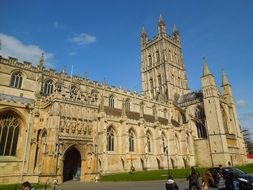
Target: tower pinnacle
{"points": [[224, 79], [161, 26], [206, 70]]}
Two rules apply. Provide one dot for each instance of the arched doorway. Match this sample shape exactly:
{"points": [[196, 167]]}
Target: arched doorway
{"points": [[72, 165]]}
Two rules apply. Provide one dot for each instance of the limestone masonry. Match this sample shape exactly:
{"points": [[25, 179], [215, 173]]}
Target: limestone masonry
{"points": [[57, 126]]}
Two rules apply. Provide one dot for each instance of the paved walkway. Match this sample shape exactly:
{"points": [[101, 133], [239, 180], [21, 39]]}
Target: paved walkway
{"points": [[142, 185]]}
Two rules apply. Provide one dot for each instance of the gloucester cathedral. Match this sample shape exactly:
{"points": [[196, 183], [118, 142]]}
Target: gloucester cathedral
{"points": [[53, 125]]}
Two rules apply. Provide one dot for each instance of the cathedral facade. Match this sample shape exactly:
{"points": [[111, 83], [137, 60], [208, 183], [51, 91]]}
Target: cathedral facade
{"points": [[53, 125]]}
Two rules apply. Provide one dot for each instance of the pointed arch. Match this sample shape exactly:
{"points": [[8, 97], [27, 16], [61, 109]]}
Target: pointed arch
{"points": [[149, 141], [200, 122], [10, 124], [16, 79], [111, 101], [110, 136], [48, 87], [225, 119], [131, 140]]}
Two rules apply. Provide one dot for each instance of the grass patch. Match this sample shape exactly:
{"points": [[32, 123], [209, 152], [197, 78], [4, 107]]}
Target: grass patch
{"points": [[247, 168], [149, 175], [161, 174], [19, 186]]}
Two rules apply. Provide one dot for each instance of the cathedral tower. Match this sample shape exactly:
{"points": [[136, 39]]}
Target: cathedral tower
{"points": [[162, 66], [214, 120]]}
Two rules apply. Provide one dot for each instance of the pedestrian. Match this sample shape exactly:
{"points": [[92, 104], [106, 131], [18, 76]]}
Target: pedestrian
{"points": [[171, 184], [207, 180], [221, 181], [27, 186], [194, 180]]}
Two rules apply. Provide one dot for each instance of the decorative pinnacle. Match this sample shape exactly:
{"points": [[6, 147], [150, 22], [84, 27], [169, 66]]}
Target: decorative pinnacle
{"points": [[42, 59], [175, 30], [161, 18], [224, 79], [206, 70]]}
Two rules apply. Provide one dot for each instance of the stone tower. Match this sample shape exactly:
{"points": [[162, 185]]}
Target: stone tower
{"points": [[214, 120], [162, 66]]}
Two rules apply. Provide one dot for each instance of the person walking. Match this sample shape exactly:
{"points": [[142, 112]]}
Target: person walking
{"points": [[194, 180], [221, 181], [207, 180], [171, 184]]}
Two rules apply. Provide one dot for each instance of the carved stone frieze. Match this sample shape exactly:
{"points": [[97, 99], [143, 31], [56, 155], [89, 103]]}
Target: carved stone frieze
{"points": [[75, 127]]}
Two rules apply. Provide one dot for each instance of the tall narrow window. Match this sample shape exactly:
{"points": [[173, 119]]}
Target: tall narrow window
{"points": [[16, 80], [141, 109], [127, 104], [151, 84], [110, 139], [131, 140], [200, 122], [159, 83], [150, 60], [148, 142], [111, 101], [164, 144], [48, 89], [9, 131], [157, 56], [73, 91]]}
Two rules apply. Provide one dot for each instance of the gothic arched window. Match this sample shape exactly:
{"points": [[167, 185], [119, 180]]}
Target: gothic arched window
{"points": [[131, 140], [110, 139], [150, 60], [16, 80], [200, 122], [225, 120], [157, 56], [164, 144], [127, 104], [73, 91], [159, 83], [111, 101], [141, 108], [48, 89], [177, 144], [9, 130], [148, 142]]}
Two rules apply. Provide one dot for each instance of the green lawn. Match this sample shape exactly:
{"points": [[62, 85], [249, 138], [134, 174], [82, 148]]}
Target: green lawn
{"points": [[161, 174]]}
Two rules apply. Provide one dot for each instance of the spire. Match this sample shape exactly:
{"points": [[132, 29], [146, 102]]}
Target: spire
{"points": [[42, 59], [224, 79], [41, 63], [144, 37], [161, 18], [206, 70], [161, 26], [143, 32], [175, 30]]}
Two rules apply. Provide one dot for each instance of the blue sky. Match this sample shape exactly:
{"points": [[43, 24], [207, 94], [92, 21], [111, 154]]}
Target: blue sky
{"points": [[102, 39]]}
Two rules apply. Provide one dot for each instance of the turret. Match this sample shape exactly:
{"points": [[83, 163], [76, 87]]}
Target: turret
{"points": [[41, 63], [208, 83], [144, 37], [176, 34], [161, 27], [226, 88]]}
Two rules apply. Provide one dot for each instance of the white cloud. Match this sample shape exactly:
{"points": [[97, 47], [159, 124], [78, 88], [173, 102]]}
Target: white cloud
{"points": [[241, 103], [56, 24], [10, 46], [82, 39]]}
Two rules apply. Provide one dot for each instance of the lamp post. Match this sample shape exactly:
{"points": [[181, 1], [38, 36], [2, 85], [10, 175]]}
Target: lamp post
{"points": [[166, 150]]}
